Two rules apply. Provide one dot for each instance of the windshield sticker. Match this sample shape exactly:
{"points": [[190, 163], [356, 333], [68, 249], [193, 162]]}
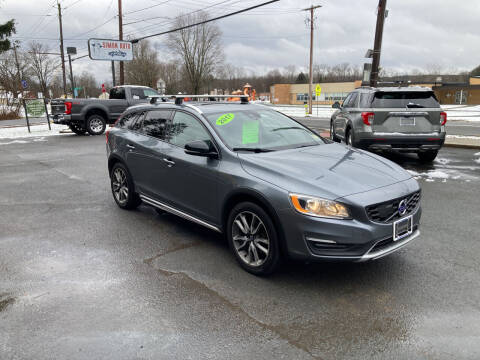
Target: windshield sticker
{"points": [[250, 132], [225, 119]]}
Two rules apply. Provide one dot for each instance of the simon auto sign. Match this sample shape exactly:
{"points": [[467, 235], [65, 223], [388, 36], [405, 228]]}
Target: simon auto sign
{"points": [[111, 50]]}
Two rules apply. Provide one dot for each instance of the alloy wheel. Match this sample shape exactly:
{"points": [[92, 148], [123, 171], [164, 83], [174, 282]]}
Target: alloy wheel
{"points": [[96, 124], [250, 238], [120, 185]]}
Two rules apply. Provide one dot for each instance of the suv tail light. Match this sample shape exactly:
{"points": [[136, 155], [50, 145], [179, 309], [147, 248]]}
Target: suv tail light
{"points": [[443, 118], [68, 107], [367, 118], [106, 135]]}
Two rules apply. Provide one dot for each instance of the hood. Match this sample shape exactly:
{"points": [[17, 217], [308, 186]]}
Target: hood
{"points": [[330, 171]]}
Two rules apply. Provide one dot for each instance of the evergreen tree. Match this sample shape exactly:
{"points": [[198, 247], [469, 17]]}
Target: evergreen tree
{"points": [[476, 71], [301, 78], [6, 30]]}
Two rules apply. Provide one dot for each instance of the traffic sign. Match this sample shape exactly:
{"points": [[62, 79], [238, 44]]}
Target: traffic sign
{"points": [[24, 84], [318, 90]]}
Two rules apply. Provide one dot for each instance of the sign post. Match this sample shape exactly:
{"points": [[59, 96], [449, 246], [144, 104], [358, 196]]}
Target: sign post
{"points": [[35, 108], [318, 91]]}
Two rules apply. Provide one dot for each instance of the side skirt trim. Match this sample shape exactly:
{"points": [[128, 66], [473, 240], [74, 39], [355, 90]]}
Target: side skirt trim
{"points": [[177, 212]]}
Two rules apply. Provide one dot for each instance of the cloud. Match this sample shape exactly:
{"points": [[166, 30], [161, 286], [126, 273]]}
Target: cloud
{"points": [[417, 33]]}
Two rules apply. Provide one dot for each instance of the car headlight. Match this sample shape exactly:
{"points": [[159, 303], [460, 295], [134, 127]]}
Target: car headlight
{"points": [[309, 205]]}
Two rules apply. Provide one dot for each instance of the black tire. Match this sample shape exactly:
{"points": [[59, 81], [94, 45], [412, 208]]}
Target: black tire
{"points": [[428, 156], [333, 137], [96, 124], [350, 137], [77, 129], [127, 201], [267, 262]]}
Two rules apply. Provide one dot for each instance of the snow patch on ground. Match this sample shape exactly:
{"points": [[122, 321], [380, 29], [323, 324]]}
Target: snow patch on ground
{"points": [[454, 112], [36, 131]]}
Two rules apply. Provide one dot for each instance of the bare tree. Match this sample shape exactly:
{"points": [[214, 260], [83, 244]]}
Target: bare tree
{"points": [[144, 69], [12, 69], [198, 47], [42, 65], [88, 84], [290, 73]]}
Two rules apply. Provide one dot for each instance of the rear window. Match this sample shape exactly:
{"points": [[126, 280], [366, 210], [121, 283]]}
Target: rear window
{"points": [[407, 99]]}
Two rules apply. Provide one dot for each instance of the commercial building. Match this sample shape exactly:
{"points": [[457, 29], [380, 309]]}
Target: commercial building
{"points": [[461, 94], [449, 89], [297, 94]]}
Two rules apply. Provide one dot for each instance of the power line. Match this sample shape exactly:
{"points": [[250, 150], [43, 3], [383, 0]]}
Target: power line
{"points": [[206, 21], [182, 15], [149, 7]]}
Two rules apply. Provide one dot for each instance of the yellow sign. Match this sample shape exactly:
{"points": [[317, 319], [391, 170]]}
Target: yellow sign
{"points": [[318, 90]]}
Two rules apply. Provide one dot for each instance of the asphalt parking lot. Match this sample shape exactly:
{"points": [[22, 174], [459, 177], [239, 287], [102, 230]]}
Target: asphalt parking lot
{"points": [[83, 279]]}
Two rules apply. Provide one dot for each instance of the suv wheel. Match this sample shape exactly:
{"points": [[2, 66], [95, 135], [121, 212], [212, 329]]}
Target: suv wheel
{"points": [[333, 137], [427, 156], [122, 187], [77, 129], [96, 124], [253, 239], [349, 139]]}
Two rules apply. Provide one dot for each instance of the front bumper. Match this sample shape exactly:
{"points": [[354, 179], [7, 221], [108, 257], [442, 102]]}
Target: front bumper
{"points": [[358, 239], [400, 142]]}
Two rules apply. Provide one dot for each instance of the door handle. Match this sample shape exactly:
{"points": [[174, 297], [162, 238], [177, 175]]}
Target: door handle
{"points": [[130, 146], [170, 163]]}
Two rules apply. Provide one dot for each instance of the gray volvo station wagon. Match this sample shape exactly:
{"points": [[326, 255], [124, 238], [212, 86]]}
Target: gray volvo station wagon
{"points": [[273, 187]]}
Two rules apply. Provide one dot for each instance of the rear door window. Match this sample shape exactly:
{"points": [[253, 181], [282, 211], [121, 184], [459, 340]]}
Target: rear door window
{"points": [[352, 101], [117, 93], [405, 99], [142, 93], [347, 100], [137, 121], [156, 123], [126, 121], [365, 100]]}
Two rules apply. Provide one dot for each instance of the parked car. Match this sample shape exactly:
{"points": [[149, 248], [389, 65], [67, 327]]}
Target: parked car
{"points": [[272, 186], [406, 119], [93, 115]]}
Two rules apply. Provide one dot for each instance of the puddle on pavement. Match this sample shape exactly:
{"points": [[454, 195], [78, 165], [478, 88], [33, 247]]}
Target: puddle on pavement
{"points": [[5, 301], [443, 169]]}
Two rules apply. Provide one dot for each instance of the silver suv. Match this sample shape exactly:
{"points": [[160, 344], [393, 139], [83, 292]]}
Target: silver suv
{"points": [[406, 119]]}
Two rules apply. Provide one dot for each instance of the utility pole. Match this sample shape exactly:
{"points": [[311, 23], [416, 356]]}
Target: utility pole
{"points": [[377, 46], [120, 37], [14, 47], [71, 75], [310, 84], [62, 54]]}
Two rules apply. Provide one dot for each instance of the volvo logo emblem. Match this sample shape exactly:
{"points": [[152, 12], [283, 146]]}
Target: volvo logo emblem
{"points": [[402, 207]]}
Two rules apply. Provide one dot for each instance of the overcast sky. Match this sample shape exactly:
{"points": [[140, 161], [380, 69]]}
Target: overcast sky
{"points": [[418, 33]]}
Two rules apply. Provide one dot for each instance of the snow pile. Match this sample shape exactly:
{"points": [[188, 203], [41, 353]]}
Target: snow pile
{"points": [[324, 111], [37, 130], [454, 112]]}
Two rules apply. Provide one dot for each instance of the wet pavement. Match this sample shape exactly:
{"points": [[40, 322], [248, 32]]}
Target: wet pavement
{"points": [[83, 279]]}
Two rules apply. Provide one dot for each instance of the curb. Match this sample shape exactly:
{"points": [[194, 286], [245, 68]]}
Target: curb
{"points": [[462, 146]]}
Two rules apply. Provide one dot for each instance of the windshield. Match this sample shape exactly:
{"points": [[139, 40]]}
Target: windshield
{"points": [[406, 99], [261, 130]]}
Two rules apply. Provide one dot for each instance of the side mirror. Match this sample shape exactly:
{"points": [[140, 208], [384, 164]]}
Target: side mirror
{"points": [[201, 148], [336, 105]]}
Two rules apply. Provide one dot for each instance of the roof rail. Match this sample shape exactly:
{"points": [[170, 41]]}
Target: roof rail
{"points": [[180, 97]]}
